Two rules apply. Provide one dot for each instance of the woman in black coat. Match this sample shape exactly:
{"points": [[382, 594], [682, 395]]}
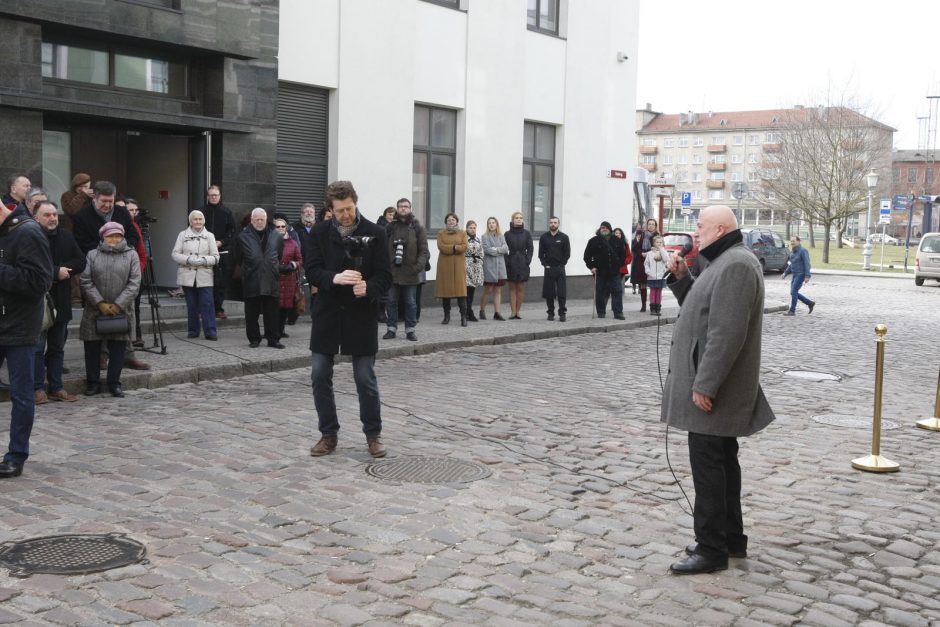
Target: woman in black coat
{"points": [[519, 241], [642, 242]]}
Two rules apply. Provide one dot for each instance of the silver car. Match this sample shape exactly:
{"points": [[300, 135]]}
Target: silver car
{"points": [[927, 263]]}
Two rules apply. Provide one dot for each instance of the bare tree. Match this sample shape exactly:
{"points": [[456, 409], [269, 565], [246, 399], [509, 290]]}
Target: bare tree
{"points": [[816, 171]]}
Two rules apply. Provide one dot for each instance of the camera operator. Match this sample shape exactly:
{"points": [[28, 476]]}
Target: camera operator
{"points": [[348, 263], [408, 252]]}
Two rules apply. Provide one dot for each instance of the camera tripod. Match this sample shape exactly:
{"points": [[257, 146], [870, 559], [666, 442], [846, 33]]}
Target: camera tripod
{"points": [[149, 283]]}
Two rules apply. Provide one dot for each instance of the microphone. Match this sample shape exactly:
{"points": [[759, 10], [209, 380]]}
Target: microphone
{"points": [[686, 249]]}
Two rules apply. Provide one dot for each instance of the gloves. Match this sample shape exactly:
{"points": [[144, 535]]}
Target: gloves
{"points": [[286, 268], [196, 260]]}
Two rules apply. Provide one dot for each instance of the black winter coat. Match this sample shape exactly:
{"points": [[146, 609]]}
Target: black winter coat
{"points": [[87, 222], [606, 254], [259, 255], [65, 253], [221, 223], [25, 277], [521, 249], [342, 322]]}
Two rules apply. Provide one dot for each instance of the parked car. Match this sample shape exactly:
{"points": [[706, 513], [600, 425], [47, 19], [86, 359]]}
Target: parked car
{"points": [[771, 249], [888, 239], [675, 241], [927, 261]]}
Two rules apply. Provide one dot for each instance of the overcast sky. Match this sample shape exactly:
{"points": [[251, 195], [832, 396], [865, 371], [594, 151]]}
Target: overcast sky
{"points": [[742, 55]]}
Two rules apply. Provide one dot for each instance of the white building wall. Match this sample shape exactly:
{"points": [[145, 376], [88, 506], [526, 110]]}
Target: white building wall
{"points": [[381, 57]]}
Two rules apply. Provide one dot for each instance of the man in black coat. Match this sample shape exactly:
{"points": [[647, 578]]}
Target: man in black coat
{"points": [[89, 220], [349, 264], [221, 223], [258, 253], [68, 261], [554, 252], [604, 254], [18, 186], [25, 277]]}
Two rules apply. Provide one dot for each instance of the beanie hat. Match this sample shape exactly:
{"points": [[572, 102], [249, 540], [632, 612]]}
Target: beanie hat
{"points": [[110, 228], [80, 179], [606, 225]]}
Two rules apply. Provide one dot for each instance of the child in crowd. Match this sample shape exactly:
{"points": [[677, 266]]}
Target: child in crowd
{"points": [[655, 266]]}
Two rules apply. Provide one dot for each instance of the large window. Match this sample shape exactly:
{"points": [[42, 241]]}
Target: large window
{"points": [[538, 175], [542, 16], [434, 165], [106, 67]]}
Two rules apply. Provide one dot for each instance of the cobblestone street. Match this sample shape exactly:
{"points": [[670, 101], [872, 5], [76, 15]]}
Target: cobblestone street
{"points": [[576, 524]]}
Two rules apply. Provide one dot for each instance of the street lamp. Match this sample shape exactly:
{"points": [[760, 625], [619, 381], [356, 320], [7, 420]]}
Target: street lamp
{"points": [[871, 179]]}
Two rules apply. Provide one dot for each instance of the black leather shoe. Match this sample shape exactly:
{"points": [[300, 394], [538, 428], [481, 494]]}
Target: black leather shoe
{"points": [[254, 344], [561, 317], [619, 317], [446, 319], [697, 564], [275, 345], [92, 388], [116, 391], [10, 469], [811, 306], [551, 317], [739, 554], [389, 335], [412, 336], [212, 338]]}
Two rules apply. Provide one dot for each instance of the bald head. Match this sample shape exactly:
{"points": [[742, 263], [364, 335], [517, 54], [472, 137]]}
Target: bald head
{"points": [[714, 222]]}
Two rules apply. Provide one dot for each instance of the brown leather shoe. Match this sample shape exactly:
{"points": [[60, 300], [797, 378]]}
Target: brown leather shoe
{"points": [[135, 364], [325, 446], [62, 395], [41, 398], [376, 448]]}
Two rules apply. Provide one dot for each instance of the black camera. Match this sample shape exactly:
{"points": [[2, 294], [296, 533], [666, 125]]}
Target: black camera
{"points": [[144, 217], [399, 251], [356, 247]]}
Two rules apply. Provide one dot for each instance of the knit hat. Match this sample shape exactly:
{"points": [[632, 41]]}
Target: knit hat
{"points": [[80, 179], [110, 228], [606, 225]]}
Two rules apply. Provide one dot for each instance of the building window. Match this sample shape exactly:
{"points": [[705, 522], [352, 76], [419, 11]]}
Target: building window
{"points": [[697, 194], [718, 159], [911, 175], [752, 158], [771, 195], [735, 176], [669, 143], [716, 194], [542, 16], [699, 142], [667, 176], [752, 176], [103, 67], [682, 177], [771, 138], [697, 159], [928, 176], [683, 159], [718, 140], [738, 140], [434, 164], [735, 158], [897, 175], [717, 176], [649, 158], [667, 159], [683, 142], [753, 140], [538, 175], [649, 143], [696, 177]]}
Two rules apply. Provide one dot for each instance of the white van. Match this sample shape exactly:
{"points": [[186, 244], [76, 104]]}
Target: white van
{"points": [[927, 263]]}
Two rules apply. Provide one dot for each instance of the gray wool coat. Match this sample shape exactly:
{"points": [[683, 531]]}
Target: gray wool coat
{"points": [[717, 348], [494, 257], [110, 276]]}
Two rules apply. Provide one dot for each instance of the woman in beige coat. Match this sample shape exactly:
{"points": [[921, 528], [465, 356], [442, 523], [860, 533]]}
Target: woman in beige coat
{"points": [[452, 267], [196, 253]]}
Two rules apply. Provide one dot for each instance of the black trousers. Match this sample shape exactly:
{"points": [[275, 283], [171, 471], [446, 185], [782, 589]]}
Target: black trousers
{"points": [[719, 526], [115, 363], [471, 290], [554, 284], [270, 310], [461, 305]]}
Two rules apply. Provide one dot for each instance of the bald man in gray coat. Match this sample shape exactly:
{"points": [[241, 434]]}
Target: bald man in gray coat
{"points": [[712, 388]]}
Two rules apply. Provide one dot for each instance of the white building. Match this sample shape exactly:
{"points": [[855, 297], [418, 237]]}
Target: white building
{"points": [[482, 107]]}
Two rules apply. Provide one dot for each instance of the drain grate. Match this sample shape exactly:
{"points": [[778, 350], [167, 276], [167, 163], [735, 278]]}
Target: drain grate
{"points": [[810, 375], [853, 422], [428, 470], [75, 554]]}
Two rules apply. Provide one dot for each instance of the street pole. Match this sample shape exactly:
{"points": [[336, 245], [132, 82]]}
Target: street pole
{"points": [[871, 179]]}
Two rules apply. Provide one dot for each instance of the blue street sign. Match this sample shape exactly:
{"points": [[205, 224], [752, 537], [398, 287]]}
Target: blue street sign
{"points": [[686, 199]]}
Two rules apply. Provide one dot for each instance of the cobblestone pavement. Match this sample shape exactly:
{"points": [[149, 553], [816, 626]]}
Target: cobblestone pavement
{"points": [[576, 525]]}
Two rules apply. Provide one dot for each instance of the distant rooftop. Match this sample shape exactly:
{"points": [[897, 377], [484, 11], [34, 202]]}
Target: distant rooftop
{"points": [[732, 120]]}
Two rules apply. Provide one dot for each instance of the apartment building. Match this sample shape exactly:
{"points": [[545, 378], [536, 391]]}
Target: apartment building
{"points": [[915, 174]]}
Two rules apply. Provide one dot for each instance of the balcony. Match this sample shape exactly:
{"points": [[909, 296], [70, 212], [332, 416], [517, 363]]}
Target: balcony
{"points": [[775, 147], [649, 167], [715, 184], [716, 167], [648, 150], [717, 148]]}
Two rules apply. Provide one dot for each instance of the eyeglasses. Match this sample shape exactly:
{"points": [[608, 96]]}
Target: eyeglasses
{"points": [[280, 226]]}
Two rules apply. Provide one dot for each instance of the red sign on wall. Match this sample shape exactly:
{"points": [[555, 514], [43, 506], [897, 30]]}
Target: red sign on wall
{"points": [[617, 174]]}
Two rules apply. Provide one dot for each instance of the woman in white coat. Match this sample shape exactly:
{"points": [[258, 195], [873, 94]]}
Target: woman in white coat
{"points": [[196, 253]]}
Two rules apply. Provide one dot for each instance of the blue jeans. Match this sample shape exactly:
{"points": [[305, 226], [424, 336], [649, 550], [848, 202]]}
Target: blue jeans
{"points": [[411, 307], [609, 287], [20, 364], [50, 357], [367, 387], [795, 284], [200, 304]]}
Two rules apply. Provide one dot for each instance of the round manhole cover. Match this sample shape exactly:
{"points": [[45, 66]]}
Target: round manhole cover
{"points": [[76, 554], [428, 470], [809, 375], [853, 422]]}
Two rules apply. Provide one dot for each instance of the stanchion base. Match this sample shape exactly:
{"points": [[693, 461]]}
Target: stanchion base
{"points": [[933, 424], [875, 463]]}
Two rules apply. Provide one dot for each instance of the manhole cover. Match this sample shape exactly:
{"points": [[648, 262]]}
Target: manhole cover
{"points": [[428, 470], [809, 375], [70, 554], [853, 422]]}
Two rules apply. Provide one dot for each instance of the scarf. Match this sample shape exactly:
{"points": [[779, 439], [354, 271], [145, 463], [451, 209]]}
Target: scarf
{"points": [[347, 230]]}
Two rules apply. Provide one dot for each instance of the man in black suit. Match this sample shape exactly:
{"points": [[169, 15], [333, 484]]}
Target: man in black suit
{"points": [[92, 217]]}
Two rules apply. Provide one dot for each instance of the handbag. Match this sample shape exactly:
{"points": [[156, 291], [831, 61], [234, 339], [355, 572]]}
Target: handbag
{"points": [[300, 303], [112, 325], [48, 313]]}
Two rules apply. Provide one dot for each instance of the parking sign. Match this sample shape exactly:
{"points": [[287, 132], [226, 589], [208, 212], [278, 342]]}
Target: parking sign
{"points": [[686, 199]]}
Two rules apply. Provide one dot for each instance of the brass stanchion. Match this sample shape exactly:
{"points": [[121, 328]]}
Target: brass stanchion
{"points": [[933, 423], [875, 462]]}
